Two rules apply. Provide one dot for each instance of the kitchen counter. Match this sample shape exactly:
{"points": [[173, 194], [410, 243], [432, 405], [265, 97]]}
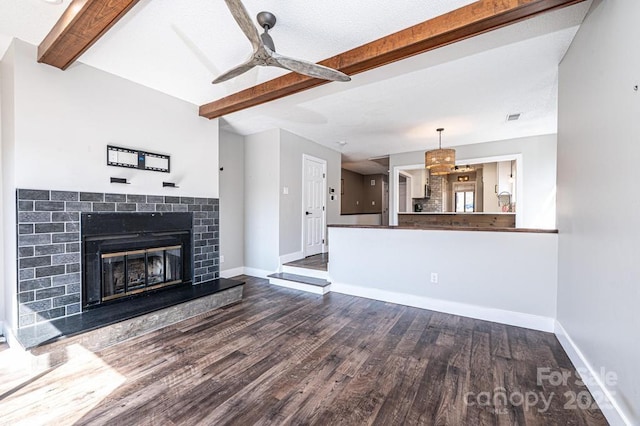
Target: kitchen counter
{"points": [[456, 213], [482, 220], [451, 228]]}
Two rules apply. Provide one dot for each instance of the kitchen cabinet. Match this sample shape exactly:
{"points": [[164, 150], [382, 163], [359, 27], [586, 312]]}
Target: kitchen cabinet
{"points": [[419, 181]]}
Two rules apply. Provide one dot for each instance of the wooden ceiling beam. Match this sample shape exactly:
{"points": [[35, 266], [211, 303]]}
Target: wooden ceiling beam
{"points": [[468, 21], [81, 25]]}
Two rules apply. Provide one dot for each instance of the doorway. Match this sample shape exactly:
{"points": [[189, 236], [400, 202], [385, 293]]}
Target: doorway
{"points": [[314, 176], [464, 197], [501, 176], [405, 184]]}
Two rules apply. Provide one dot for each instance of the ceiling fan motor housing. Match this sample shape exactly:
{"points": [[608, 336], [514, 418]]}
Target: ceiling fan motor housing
{"points": [[266, 20]]}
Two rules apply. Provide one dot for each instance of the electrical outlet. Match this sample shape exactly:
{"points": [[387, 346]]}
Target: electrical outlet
{"points": [[434, 277], [373, 203], [221, 258]]}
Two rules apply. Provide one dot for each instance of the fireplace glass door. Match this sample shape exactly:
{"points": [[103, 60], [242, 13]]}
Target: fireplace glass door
{"points": [[130, 272]]}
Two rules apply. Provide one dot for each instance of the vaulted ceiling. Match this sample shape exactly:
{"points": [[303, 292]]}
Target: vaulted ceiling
{"points": [[468, 87]]}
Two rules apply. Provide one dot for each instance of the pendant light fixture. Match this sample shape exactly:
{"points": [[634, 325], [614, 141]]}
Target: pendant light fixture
{"points": [[440, 161]]}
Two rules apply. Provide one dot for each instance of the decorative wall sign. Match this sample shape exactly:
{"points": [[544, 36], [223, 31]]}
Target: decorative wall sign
{"points": [[134, 159]]}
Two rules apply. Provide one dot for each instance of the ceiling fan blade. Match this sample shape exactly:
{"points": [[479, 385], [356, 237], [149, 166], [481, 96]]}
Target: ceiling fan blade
{"points": [[234, 72], [309, 68], [243, 19]]}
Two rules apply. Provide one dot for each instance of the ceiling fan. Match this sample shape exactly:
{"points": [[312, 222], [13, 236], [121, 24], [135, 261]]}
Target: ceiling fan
{"points": [[264, 50]]}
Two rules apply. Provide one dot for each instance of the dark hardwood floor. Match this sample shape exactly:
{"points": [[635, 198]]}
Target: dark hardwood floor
{"points": [[287, 357], [317, 261]]}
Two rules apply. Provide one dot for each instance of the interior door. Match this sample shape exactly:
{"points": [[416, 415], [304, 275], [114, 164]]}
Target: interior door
{"points": [[314, 175]]}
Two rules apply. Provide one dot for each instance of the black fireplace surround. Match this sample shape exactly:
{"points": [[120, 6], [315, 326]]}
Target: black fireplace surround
{"points": [[127, 254]]}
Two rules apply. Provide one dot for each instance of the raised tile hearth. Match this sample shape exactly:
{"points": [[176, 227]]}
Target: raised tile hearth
{"points": [[106, 325]]}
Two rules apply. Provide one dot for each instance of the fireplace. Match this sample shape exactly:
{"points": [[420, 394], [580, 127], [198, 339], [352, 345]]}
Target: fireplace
{"points": [[128, 254], [125, 273]]}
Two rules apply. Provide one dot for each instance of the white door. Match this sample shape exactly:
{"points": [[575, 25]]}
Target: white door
{"points": [[313, 209]]}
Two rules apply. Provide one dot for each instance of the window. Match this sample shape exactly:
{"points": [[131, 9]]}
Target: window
{"points": [[464, 197], [464, 201]]}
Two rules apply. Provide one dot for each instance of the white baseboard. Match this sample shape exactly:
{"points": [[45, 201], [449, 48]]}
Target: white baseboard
{"points": [[228, 273], [606, 401], [286, 258], [518, 319], [255, 272]]}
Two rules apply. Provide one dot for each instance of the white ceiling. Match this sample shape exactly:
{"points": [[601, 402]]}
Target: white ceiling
{"points": [[468, 88]]}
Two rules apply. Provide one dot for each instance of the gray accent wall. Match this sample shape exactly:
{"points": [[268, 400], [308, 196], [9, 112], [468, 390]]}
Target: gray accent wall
{"points": [[261, 207], [273, 220], [598, 203], [351, 192], [292, 147], [231, 200], [49, 244]]}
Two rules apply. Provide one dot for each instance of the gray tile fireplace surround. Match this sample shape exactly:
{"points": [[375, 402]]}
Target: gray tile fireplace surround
{"points": [[49, 268]]}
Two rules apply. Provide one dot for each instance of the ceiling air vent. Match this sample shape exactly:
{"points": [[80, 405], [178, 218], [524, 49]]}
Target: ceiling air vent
{"points": [[513, 117]]}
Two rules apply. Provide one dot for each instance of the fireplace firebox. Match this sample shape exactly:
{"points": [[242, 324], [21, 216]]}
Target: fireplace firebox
{"points": [[127, 254]]}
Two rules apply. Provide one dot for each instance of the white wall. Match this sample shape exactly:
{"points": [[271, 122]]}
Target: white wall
{"points": [[291, 149], [538, 173], [514, 282], [56, 126], [64, 121], [262, 202], [598, 203], [231, 201], [8, 214], [2, 295]]}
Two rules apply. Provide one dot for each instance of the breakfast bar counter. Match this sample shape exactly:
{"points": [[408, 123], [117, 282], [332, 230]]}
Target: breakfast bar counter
{"points": [[419, 227], [485, 220]]}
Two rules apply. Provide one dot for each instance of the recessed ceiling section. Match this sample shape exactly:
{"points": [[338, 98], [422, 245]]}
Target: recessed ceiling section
{"points": [[468, 87]]}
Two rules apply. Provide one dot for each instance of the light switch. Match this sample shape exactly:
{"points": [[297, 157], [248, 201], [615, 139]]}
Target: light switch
{"points": [[285, 190], [373, 182], [373, 203]]}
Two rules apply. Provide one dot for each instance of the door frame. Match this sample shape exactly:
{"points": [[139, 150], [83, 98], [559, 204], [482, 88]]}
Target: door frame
{"points": [[408, 196], [454, 190], [306, 157], [393, 204]]}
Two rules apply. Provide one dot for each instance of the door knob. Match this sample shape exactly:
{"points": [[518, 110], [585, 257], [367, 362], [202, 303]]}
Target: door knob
{"points": [[307, 213]]}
